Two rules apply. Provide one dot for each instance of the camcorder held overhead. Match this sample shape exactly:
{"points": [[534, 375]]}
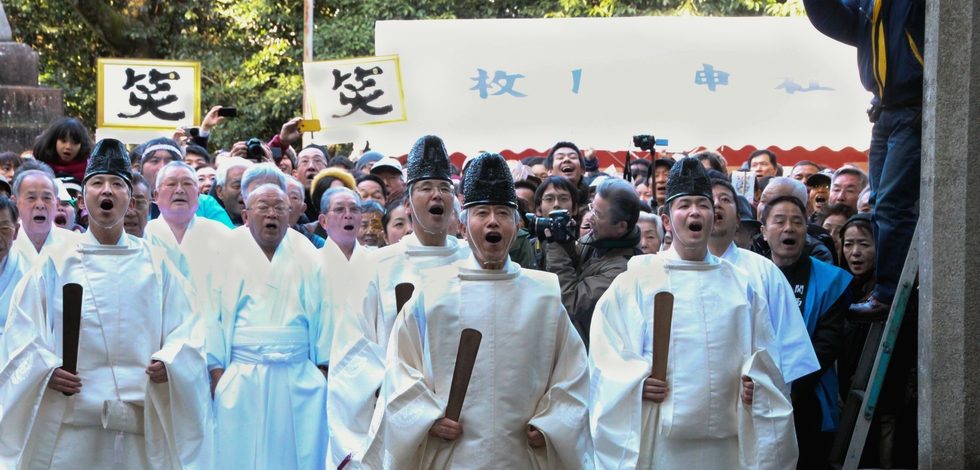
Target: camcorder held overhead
{"points": [[647, 142], [560, 223]]}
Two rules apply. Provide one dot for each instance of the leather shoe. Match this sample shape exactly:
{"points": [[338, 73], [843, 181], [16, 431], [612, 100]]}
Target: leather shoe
{"points": [[869, 310]]}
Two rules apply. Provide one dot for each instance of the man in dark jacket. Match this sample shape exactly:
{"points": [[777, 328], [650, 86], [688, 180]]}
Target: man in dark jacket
{"points": [[587, 268], [822, 295], [888, 35]]}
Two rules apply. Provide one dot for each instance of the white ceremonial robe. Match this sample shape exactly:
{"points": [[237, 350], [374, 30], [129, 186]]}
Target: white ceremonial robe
{"points": [[12, 270], [720, 327], [200, 257], [57, 237], [358, 257], [270, 403], [136, 299], [530, 369], [796, 355], [362, 331]]}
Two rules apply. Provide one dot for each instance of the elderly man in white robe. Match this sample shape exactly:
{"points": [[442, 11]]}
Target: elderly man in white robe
{"points": [[12, 264], [340, 217], [138, 396], [526, 404], [796, 355], [195, 244], [364, 326], [269, 173], [36, 194], [270, 397], [721, 404]]}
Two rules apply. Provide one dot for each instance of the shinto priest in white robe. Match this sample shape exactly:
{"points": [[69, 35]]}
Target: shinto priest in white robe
{"points": [[270, 403], [56, 238], [135, 297], [530, 369], [720, 331], [796, 355], [361, 339], [200, 257], [12, 269]]}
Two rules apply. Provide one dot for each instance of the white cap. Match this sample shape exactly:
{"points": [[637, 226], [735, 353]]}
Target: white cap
{"points": [[598, 180], [63, 195], [387, 162]]}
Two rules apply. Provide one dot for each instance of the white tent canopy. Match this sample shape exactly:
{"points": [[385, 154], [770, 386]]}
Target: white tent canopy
{"points": [[599, 81]]}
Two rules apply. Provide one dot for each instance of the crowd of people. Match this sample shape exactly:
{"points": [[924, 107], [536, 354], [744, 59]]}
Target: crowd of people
{"points": [[278, 306], [250, 297]]}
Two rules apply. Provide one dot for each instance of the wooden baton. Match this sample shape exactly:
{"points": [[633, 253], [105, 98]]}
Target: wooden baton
{"points": [[403, 292], [663, 312], [71, 297], [469, 345]]}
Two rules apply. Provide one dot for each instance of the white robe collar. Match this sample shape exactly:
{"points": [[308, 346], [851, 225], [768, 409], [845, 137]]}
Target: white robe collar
{"points": [[88, 238], [470, 270], [167, 231], [674, 261], [413, 247]]}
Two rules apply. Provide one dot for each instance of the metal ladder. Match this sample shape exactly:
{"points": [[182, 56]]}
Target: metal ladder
{"points": [[862, 398]]}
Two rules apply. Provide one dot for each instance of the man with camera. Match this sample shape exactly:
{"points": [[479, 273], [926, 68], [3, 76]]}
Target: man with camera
{"points": [[585, 269]]}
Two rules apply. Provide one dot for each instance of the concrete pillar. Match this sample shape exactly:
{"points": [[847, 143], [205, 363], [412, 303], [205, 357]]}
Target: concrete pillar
{"points": [[949, 315]]}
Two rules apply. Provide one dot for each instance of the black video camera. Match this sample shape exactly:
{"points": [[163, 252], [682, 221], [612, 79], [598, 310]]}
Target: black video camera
{"points": [[559, 222], [644, 142], [254, 150]]}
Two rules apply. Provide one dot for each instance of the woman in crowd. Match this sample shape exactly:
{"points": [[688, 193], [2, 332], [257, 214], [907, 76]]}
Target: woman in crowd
{"points": [[857, 256]]}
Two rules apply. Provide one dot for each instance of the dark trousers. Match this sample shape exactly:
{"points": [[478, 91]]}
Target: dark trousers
{"points": [[813, 443], [894, 163]]}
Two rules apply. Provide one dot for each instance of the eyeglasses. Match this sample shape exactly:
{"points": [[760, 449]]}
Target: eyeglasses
{"points": [[339, 210], [595, 214], [263, 209], [551, 199], [426, 188]]}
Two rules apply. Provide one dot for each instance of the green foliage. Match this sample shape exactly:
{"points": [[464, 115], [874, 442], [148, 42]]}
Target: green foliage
{"points": [[251, 50]]}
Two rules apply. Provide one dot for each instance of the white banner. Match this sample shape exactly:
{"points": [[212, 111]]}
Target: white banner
{"points": [[353, 92], [516, 84], [148, 94]]}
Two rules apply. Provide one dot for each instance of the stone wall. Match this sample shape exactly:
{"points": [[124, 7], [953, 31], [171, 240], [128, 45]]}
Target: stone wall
{"points": [[25, 108]]}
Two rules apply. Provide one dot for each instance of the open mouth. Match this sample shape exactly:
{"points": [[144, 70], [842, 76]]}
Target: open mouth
{"points": [[820, 200], [695, 227], [40, 219], [789, 241], [437, 210], [567, 168], [106, 205], [60, 220], [349, 227], [493, 237], [272, 226]]}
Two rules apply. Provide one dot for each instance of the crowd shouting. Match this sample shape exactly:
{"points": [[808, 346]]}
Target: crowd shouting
{"points": [[253, 298], [278, 306]]}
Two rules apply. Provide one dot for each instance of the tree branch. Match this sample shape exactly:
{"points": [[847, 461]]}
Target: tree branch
{"points": [[113, 27]]}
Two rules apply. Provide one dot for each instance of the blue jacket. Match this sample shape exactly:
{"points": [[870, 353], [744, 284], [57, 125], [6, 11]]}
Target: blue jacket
{"points": [[889, 36], [827, 283]]}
